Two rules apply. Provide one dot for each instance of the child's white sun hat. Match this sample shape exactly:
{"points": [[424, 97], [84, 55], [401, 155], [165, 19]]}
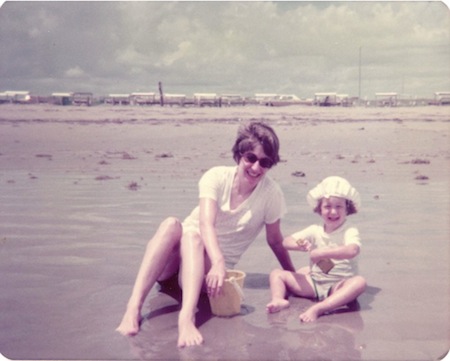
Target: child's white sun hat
{"points": [[334, 187]]}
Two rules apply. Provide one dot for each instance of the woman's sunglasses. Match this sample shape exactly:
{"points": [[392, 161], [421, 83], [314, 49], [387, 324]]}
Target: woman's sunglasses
{"points": [[263, 162]]}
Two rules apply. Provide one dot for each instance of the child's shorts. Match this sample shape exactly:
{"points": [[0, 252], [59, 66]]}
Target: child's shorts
{"points": [[323, 286]]}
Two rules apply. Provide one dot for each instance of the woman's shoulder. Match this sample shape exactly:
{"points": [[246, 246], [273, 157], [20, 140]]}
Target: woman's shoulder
{"points": [[219, 172], [220, 169]]}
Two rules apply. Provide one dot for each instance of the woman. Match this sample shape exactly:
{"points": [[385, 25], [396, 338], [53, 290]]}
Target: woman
{"points": [[235, 203]]}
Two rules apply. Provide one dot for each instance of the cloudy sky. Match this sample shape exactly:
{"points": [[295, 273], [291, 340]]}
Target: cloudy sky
{"points": [[287, 47]]}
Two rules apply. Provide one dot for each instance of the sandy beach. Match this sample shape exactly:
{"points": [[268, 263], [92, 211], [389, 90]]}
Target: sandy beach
{"points": [[83, 189]]}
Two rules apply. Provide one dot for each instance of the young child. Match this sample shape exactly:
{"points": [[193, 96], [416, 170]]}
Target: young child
{"points": [[332, 277]]}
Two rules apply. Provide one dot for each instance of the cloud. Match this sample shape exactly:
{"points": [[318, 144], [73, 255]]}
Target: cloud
{"points": [[246, 47], [75, 72]]}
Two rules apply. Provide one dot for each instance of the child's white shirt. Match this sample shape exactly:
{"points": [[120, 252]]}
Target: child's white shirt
{"points": [[343, 236]]}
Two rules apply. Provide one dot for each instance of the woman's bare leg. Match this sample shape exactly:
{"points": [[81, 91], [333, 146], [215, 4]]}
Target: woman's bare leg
{"points": [[192, 278], [161, 260], [342, 294]]}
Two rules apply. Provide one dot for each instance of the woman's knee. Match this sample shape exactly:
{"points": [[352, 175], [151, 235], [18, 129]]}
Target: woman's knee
{"points": [[171, 226], [168, 233]]}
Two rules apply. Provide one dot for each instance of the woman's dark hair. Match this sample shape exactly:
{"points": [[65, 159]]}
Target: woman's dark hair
{"points": [[252, 134], [349, 205]]}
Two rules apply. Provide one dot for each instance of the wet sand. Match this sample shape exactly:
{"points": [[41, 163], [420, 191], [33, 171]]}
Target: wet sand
{"points": [[82, 190]]}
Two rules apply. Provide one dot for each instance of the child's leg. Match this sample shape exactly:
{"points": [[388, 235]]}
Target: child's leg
{"points": [[299, 284], [341, 294], [192, 278], [161, 260]]}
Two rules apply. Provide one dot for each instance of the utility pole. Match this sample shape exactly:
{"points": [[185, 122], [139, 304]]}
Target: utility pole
{"points": [[359, 78], [161, 94]]}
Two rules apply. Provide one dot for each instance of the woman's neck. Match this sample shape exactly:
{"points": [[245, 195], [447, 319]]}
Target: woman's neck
{"points": [[239, 192]]}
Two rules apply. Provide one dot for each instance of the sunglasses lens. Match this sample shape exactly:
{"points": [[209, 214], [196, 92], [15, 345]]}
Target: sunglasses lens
{"points": [[263, 162], [251, 158]]}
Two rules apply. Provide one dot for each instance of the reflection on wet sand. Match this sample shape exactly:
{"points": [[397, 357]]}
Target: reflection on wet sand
{"points": [[284, 337]]}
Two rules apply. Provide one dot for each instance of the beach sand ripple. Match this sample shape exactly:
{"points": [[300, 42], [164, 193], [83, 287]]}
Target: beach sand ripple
{"points": [[82, 190]]}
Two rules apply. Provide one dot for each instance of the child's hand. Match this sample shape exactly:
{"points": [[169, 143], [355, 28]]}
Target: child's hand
{"points": [[304, 245]]}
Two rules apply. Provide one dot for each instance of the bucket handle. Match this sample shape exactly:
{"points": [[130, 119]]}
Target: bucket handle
{"points": [[237, 287]]}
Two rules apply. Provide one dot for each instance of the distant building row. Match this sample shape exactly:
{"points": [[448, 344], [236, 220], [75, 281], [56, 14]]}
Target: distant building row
{"points": [[212, 99]]}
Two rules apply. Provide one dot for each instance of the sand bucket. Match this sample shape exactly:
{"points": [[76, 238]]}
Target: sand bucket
{"points": [[228, 303]]}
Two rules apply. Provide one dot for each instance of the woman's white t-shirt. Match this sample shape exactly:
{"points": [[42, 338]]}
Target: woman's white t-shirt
{"points": [[237, 228]]}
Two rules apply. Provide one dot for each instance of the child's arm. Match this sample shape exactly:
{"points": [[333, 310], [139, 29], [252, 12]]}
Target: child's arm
{"points": [[341, 252], [293, 244]]}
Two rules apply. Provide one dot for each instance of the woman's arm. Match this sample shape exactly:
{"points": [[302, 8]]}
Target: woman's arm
{"points": [[290, 243], [216, 275], [275, 241]]}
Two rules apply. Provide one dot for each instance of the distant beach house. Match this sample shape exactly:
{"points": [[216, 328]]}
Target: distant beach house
{"points": [[3, 98], [62, 98], [83, 98], [284, 100], [232, 99], [277, 100], [174, 99], [210, 99], [265, 98], [118, 99], [13, 96], [344, 100], [326, 99], [142, 98], [386, 99], [442, 98]]}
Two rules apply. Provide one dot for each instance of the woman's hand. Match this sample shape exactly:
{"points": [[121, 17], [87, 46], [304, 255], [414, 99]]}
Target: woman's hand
{"points": [[215, 279]]}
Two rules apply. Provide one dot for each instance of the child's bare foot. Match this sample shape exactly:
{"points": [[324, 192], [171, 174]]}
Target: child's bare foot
{"points": [[188, 334], [310, 315], [130, 322], [276, 305]]}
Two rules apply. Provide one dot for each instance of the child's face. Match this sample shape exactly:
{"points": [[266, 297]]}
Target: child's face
{"points": [[334, 212]]}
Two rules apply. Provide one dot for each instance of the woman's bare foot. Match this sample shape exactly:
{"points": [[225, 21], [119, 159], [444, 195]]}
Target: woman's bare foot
{"points": [[188, 334], [276, 305], [310, 315], [130, 322]]}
